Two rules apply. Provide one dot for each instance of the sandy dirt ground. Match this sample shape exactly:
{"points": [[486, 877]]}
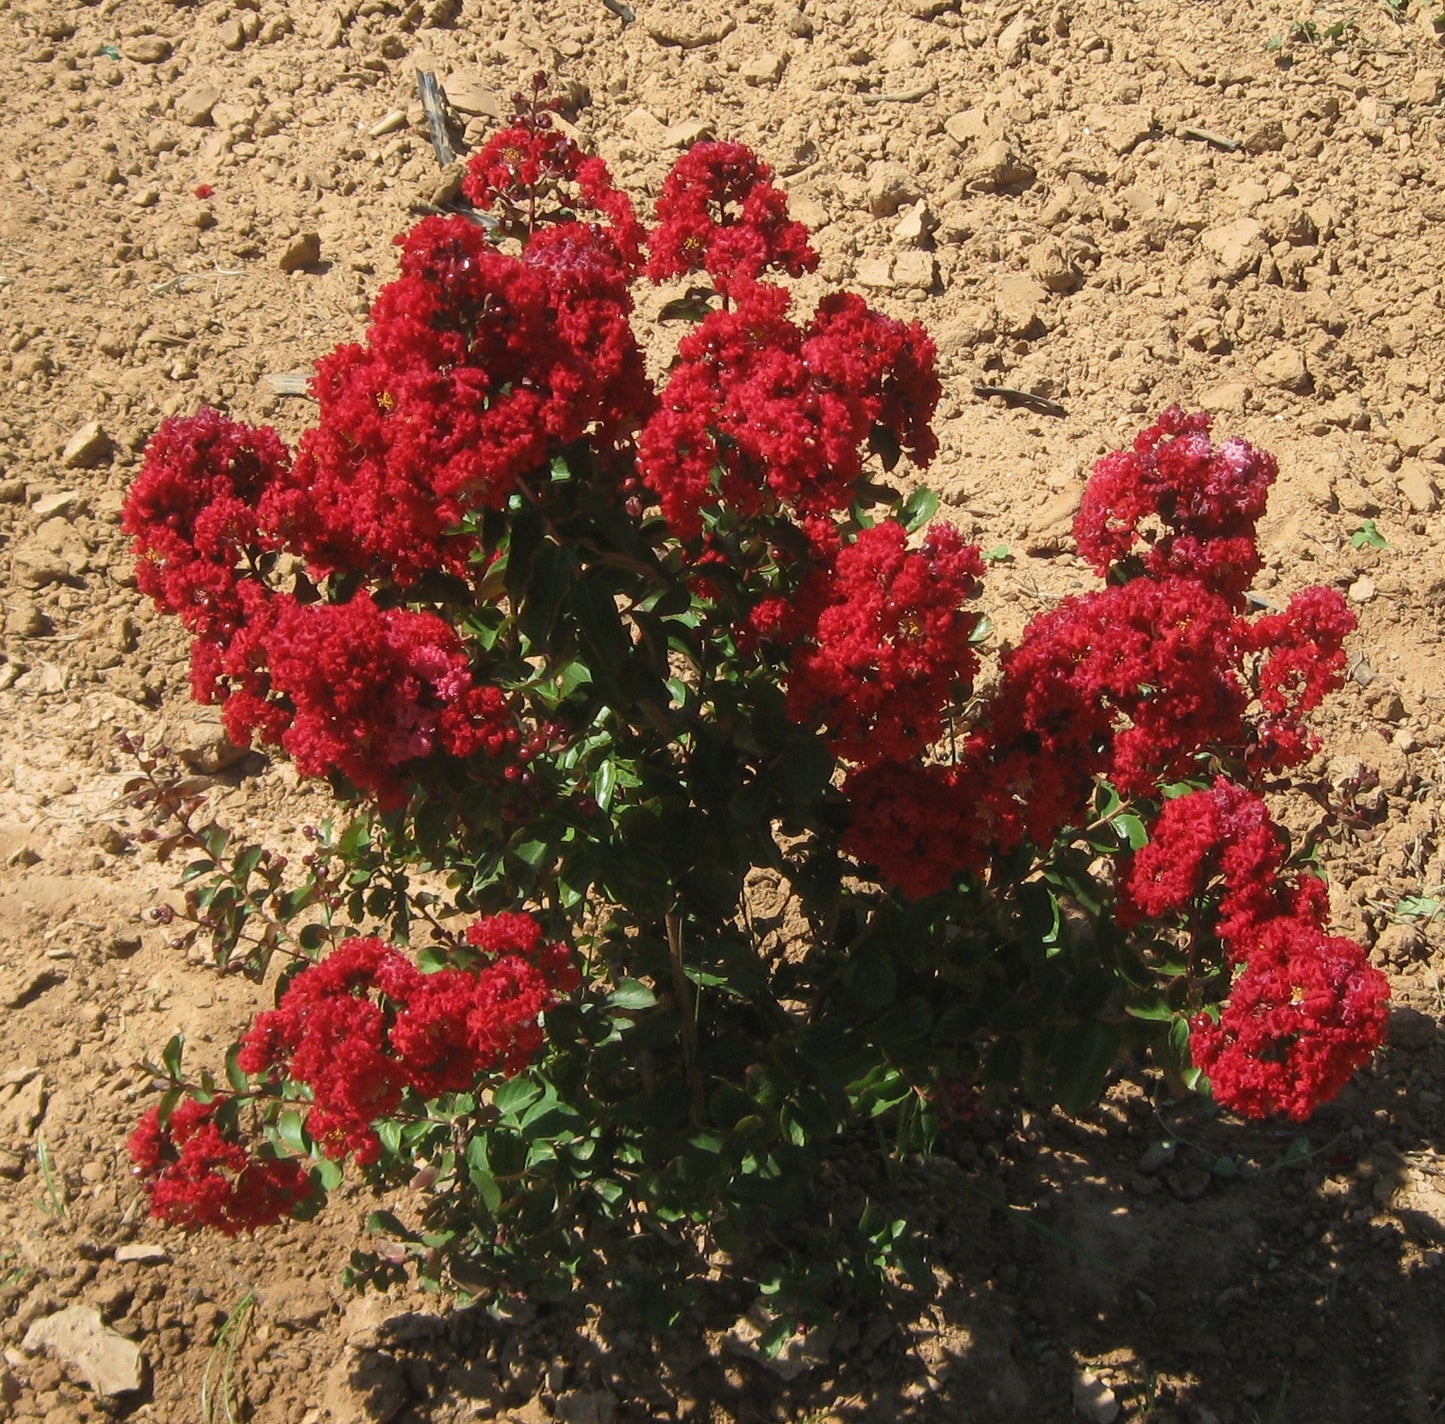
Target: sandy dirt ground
{"points": [[1236, 205]]}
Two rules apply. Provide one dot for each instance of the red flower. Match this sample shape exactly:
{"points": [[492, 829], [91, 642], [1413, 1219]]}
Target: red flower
{"points": [[717, 211], [890, 648], [198, 1175], [1305, 1013], [1207, 499]]}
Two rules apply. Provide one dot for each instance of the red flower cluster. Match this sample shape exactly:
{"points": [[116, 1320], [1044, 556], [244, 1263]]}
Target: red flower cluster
{"points": [[355, 689], [1307, 1009], [759, 412], [365, 1025], [718, 213], [198, 1175], [887, 647], [478, 367], [1305, 1013], [1202, 501], [193, 514]]}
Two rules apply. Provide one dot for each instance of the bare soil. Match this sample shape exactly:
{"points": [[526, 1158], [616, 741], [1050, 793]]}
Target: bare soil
{"points": [[1110, 206]]}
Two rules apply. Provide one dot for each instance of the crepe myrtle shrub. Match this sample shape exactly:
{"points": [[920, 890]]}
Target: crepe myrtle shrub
{"points": [[584, 656]]}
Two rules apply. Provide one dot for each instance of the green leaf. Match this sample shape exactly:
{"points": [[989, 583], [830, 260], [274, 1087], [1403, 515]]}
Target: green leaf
{"points": [[235, 1074], [1367, 536], [328, 1173], [920, 506], [515, 1094], [1153, 1007], [389, 1131], [171, 1055], [632, 994], [1131, 830], [479, 1171], [292, 1132]]}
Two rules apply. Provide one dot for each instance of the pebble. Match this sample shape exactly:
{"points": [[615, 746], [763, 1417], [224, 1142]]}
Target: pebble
{"points": [[1094, 1400], [1284, 369], [1013, 43], [89, 447], [688, 25], [393, 121], [54, 553], [142, 1253], [1236, 246], [232, 34], [686, 133], [301, 250], [193, 108], [1362, 590], [468, 95], [1417, 488], [147, 49], [763, 70], [890, 187], [995, 168], [108, 1362]]}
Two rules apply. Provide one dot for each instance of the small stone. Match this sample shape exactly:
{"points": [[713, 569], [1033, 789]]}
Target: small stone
{"points": [[688, 25], [1284, 369], [995, 168], [686, 133], [12, 1165], [915, 271], [194, 107], [370, 1386], [24, 619], [799, 1354], [88, 447], [1157, 1156], [1425, 87], [890, 187], [26, 1109], [970, 126], [1050, 265], [794, 21], [1362, 590], [301, 251], [1237, 246], [1021, 302], [586, 1406], [53, 553], [108, 1362], [1355, 497], [147, 49], [199, 739], [763, 70], [929, 9], [1094, 1400], [1013, 43], [468, 95], [142, 1253], [875, 273], [1417, 488], [1267, 137], [915, 226], [232, 34], [389, 124]]}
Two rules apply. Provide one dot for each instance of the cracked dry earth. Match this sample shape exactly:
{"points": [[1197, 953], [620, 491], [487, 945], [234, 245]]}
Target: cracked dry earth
{"points": [[1106, 205]]}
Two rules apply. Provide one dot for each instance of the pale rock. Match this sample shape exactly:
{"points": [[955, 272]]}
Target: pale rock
{"points": [[12, 1165], [1021, 302], [1094, 1400], [147, 49], [645, 127], [232, 34], [1363, 590], [686, 133], [198, 737], [1284, 369], [875, 273], [794, 21], [194, 107], [1236, 246], [915, 271], [1225, 397], [1049, 263], [61, 502], [1425, 87], [586, 1406], [1013, 43], [88, 447], [108, 1362], [763, 70], [915, 226], [24, 619], [54, 553], [370, 1387], [929, 9], [25, 1109], [240, 117], [1417, 488], [800, 1353], [971, 126], [1121, 128], [390, 123], [1355, 497], [996, 167], [901, 54], [468, 95], [890, 187], [1265, 137], [690, 24], [142, 1253], [955, 223], [301, 250], [1412, 434]]}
